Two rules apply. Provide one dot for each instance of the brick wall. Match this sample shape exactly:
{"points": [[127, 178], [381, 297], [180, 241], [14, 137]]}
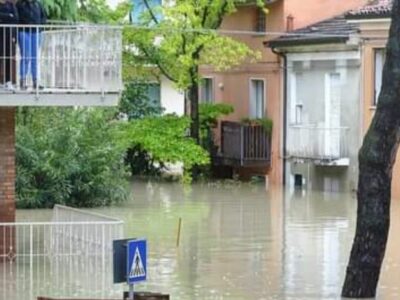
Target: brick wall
{"points": [[7, 164], [7, 178]]}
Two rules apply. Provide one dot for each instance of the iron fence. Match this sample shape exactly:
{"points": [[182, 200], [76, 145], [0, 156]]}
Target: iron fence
{"points": [[64, 257]]}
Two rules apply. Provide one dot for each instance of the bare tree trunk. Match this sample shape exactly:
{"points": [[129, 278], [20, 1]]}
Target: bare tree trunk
{"points": [[194, 112], [376, 160]]}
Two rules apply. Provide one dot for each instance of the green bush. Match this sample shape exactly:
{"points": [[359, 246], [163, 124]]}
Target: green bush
{"points": [[136, 103], [165, 140], [266, 123], [68, 156], [209, 113]]}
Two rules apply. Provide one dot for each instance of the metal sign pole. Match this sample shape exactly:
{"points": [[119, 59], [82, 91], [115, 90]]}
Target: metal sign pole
{"points": [[131, 292]]}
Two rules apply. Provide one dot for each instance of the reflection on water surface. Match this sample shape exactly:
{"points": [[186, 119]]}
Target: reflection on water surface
{"points": [[240, 241]]}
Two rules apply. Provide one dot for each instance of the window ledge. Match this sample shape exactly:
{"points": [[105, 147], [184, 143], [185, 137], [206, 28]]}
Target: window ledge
{"points": [[372, 107]]}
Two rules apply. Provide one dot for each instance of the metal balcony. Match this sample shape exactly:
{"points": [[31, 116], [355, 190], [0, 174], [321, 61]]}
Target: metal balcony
{"points": [[325, 146], [244, 145], [77, 65]]}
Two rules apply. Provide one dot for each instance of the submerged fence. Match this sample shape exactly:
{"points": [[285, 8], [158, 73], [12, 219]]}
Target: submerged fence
{"points": [[72, 255]]}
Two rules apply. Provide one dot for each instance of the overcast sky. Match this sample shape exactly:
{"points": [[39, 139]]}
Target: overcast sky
{"points": [[113, 3]]}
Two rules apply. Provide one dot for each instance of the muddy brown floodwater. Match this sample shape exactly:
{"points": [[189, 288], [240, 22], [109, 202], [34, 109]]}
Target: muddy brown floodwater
{"points": [[241, 241]]}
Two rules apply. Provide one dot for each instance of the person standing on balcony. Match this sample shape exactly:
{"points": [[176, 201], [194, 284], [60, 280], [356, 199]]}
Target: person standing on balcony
{"points": [[8, 39], [31, 12]]}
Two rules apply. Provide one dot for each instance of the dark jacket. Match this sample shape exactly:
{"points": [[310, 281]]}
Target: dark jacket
{"points": [[31, 12], [8, 13]]}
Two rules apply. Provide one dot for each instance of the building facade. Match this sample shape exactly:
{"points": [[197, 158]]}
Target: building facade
{"points": [[322, 100], [332, 83], [255, 89]]}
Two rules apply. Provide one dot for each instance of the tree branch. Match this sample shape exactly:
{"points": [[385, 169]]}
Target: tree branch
{"points": [[153, 16], [221, 15], [205, 14], [158, 63]]}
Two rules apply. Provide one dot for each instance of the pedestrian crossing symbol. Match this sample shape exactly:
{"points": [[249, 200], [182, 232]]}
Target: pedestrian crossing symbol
{"points": [[137, 269], [137, 255]]}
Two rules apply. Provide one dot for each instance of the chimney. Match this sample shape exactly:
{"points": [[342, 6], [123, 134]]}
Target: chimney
{"points": [[289, 23]]}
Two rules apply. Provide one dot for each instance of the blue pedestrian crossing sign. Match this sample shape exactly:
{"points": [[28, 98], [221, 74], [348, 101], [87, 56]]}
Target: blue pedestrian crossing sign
{"points": [[137, 258]]}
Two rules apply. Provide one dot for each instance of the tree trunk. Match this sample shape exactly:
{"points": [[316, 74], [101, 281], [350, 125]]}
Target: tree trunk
{"points": [[194, 112], [376, 160]]}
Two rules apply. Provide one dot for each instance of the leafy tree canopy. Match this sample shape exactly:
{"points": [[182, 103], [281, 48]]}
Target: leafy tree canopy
{"points": [[184, 38], [96, 11]]}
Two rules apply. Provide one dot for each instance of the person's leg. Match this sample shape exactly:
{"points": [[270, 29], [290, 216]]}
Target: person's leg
{"points": [[25, 49], [35, 46]]}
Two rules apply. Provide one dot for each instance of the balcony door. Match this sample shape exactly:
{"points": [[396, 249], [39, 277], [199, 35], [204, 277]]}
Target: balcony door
{"points": [[332, 115]]}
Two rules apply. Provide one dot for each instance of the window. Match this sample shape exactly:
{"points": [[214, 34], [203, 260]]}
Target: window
{"points": [[380, 57], [299, 114], [298, 180], [296, 105], [207, 90], [139, 9], [257, 98], [154, 94], [261, 21]]}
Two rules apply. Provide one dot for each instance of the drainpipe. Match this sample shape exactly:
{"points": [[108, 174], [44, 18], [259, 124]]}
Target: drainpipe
{"points": [[285, 81]]}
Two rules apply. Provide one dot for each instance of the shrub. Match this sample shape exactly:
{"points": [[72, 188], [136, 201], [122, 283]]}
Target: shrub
{"points": [[209, 114], [165, 140], [266, 123], [68, 156]]}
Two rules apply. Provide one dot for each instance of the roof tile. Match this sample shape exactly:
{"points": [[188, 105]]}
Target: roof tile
{"points": [[375, 8], [331, 30]]}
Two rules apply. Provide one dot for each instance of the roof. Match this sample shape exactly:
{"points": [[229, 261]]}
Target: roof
{"points": [[375, 9], [334, 30]]}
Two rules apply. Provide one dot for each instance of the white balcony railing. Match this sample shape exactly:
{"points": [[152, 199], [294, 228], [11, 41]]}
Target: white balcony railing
{"points": [[317, 143], [60, 59]]}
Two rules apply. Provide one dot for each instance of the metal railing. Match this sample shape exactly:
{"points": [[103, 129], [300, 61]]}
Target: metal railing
{"points": [[58, 258], [319, 143], [62, 213], [60, 58], [246, 144]]}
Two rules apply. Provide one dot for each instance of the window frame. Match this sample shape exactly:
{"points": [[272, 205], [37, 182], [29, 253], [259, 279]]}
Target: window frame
{"points": [[377, 51], [148, 85], [202, 89], [261, 21], [264, 102]]}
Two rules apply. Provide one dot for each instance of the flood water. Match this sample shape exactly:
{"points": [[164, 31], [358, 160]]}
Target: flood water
{"points": [[241, 241]]}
